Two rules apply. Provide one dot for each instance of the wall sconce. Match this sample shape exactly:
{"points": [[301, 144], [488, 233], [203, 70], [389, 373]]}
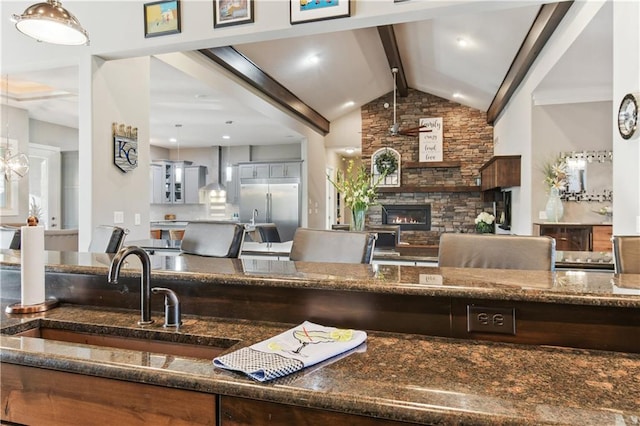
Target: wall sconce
{"points": [[51, 23]]}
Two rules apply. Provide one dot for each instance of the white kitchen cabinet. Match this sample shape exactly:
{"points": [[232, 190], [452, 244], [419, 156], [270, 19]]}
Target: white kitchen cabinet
{"points": [[156, 184], [195, 177], [254, 171], [284, 170], [169, 184]]}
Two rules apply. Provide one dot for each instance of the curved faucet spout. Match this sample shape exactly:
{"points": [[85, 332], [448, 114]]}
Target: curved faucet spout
{"points": [[145, 278]]}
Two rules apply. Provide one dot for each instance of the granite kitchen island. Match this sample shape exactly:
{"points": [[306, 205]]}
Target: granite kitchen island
{"points": [[417, 366]]}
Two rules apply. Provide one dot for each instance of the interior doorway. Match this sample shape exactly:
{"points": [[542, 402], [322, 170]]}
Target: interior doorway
{"points": [[44, 184]]}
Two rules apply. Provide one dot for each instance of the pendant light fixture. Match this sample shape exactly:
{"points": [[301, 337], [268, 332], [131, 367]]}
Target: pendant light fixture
{"points": [[51, 23]]}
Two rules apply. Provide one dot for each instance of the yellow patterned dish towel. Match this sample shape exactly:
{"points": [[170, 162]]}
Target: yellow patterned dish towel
{"points": [[302, 346]]}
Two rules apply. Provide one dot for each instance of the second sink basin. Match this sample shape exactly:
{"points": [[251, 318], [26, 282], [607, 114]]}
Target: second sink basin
{"points": [[176, 344]]}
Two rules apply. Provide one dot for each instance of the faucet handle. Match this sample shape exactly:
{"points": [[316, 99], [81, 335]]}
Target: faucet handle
{"points": [[171, 306]]}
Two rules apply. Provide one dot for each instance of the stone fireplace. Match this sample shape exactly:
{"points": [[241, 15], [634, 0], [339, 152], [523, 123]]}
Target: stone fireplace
{"points": [[409, 217]]}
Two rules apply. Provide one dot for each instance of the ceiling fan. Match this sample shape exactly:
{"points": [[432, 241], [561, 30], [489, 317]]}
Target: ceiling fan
{"points": [[395, 130]]}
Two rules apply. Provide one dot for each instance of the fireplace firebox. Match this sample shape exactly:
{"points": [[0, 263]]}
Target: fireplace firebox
{"points": [[409, 217]]}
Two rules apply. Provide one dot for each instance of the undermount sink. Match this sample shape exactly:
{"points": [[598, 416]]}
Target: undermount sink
{"points": [[176, 344]]}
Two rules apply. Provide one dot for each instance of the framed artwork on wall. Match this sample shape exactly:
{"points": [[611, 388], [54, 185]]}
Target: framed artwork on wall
{"points": [[161, 18], [232, 12], [302, 11]]}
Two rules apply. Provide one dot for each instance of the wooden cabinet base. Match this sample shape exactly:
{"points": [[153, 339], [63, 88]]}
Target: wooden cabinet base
{"points": [[247, 412], [35, 396]]}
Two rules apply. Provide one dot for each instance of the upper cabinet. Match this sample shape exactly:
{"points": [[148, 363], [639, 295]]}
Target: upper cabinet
{"points": [[500, 172], [176, 182], [254, 171], [284, 169], [277, 170]]}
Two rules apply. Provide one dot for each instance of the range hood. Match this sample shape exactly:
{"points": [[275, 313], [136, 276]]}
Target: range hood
{"points": [[216, 184]]}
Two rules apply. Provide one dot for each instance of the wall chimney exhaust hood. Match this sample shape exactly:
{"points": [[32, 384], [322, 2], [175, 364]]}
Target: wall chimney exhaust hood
{"points": [[216, 184]]}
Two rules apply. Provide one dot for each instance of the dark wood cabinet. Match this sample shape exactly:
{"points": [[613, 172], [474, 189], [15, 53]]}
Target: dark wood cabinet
{"points": [[500, 172], [578, 237]]}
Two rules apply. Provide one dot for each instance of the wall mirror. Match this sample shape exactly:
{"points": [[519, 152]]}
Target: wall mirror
{"points": [[589, 176]]}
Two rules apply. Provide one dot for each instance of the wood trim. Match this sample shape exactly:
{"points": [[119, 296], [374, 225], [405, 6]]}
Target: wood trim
{"points": [[548, 19], [434, 164], [240, 66], [435, 188], [388, 39]]}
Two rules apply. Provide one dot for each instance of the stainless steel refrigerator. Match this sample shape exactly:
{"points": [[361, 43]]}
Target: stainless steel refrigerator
{"points": [[276, 200]]}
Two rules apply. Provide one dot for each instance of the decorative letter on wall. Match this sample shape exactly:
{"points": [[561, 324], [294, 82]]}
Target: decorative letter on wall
{"points": [[431, 142], [125, 147]]}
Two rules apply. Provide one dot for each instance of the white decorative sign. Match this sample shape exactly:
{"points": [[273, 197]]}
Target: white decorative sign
{"points": [[431, 142]]}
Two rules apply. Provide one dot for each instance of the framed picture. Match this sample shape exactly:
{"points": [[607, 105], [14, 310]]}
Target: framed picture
{"points": [[232, 12], [302, 11], [161, 18]]}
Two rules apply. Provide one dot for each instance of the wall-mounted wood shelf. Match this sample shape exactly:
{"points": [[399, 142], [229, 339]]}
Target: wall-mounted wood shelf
{"points": [[434, 188], [422, 165]]}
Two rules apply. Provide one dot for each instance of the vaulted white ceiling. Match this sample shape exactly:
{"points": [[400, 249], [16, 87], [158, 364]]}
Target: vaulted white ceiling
{"points": [[351, 66]]}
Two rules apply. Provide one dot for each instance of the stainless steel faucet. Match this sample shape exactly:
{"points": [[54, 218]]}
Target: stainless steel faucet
{"points": [[145, 278], [171, 306]]}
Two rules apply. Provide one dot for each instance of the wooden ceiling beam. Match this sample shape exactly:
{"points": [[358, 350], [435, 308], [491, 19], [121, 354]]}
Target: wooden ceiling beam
{"points": [[549, 17], [240, 66], [388, 38]]}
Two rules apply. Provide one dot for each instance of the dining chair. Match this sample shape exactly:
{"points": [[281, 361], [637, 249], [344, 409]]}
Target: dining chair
{"points": [[317, 245], [268, 233], [214, 239], [497, 251], [107, 239], [626, 254]]}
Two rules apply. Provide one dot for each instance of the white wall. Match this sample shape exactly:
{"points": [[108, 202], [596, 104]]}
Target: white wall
{"points": [[513, 130], [117, 91], [566, 128], [626, 153], [43, 133], [15, 126]]}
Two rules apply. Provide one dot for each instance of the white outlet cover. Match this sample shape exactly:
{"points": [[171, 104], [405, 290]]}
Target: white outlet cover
{"points": [[542, 215], [136, 219], [118, 217]]}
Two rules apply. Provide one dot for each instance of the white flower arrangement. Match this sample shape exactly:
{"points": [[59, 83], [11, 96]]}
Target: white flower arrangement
{"points": [[484, 222]]}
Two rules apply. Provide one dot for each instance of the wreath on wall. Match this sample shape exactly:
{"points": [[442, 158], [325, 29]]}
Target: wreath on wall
{"points": [[386, 163]]}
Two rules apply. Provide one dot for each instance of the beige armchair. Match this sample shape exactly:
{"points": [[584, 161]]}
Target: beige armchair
{"points": [[315, 245], [497, 251], [626, 254]]}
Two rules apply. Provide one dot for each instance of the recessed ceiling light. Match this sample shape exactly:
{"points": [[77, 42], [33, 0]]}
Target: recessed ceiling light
{"points": [[226, 137], [462, 42], [313, 59], [173, 140], [349, 150], [349, 104], [457, 95]]}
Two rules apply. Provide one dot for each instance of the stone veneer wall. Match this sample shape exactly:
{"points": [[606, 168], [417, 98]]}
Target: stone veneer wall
{"points": [[467, 138]]}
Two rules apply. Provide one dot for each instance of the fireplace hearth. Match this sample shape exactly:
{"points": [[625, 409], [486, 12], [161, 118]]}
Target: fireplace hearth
{"points": [[409, 217]]}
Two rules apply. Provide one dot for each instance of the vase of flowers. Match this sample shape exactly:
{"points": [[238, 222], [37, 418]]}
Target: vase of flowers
{"points": [[484, 223], [556, 181], [358, 191]]}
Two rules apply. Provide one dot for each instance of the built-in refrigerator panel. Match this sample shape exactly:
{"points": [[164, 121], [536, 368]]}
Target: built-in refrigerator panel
{"points": [[276, 202], [284, 208]]}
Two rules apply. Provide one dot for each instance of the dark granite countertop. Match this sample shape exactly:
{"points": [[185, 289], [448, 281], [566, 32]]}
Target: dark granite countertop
{"points": [[602, 288], [419, 379]]}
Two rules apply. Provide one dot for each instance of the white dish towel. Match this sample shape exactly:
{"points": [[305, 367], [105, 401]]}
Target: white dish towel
{"points": [[302, 346]]}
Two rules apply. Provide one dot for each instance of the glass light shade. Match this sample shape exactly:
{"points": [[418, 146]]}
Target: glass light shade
{"points": [[16, 167], [51, 23]]}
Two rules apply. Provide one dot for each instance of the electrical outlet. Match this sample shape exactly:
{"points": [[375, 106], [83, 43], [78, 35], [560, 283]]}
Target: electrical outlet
{"points": [[542, 215], [491, 320], [136, 219], [118, 217]]}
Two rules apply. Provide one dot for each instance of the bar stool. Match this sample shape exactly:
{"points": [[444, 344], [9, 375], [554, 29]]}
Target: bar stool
{"points": [[315, 245], [626, 254], [214, 239], [497, 251]]}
